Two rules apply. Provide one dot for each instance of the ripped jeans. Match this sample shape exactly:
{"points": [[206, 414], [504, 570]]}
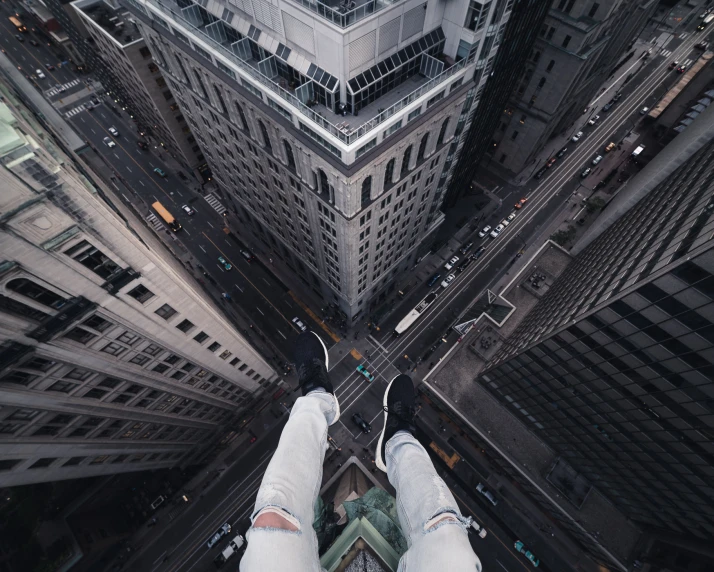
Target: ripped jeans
{"points": [[429, 517]]}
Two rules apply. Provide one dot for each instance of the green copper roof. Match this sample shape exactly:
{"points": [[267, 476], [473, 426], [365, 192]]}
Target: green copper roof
{"points": [[359, 528]]}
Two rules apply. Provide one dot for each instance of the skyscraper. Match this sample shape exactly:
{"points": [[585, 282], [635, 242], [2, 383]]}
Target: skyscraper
{"points": [[520, 34], [110, 358], [577, 48], [329, 126], [614, 366]]}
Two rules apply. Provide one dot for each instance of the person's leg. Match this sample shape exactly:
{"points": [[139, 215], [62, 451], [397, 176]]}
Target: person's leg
{"points": [[281, 536], [436, 531]]}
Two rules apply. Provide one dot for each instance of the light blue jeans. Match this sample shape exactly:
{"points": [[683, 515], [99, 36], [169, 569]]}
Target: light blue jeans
{"points": [[429, 517]]}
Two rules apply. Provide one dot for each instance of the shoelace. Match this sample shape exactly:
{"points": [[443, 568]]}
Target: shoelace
{"points": [[308, 371], [398, 412]]}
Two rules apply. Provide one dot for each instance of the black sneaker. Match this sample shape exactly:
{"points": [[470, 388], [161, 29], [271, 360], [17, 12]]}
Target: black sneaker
{"points": [[399, 411], [311, 361]]}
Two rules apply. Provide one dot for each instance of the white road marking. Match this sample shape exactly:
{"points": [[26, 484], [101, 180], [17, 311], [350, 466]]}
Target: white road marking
{"points": [[186, 231], [204, 250], [128, 169], [160, 557], [92, 130], [281, 333], [264, 280], [142, 183], [179, 192], [125, 197], [200, 518], [228, 243], [502, 566], [82, 119], [117, 156], [209, 224], [239, 288], [261, 313]]}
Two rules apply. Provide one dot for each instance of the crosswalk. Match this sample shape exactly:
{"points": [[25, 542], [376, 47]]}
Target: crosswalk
{"points": [[215, 203], [55, 90], [688, 62], [75, 111], [667, 53], [153, 220], [682, 36]]}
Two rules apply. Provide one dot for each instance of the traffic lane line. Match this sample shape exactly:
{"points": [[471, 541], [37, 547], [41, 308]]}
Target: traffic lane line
{"points": [[333, 336]]}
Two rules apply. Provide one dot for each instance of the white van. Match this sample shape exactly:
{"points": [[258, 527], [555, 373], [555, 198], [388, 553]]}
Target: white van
{"points": [[233, 546]]}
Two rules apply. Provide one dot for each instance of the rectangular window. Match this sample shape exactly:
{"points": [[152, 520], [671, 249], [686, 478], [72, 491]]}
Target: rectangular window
{"points": [[226, 354], [185, 326], [141, 293], [201, 337], [566, 41], [80, 335], [165, 311], [113, 349], [92, 258], [128, 338], [139, 359], [593, 9], [414, 114], [214, 346], [152, 350], [97, 323]]}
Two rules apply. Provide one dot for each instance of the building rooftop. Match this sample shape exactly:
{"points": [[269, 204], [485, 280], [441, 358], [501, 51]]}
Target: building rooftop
{"points": [[116, 22]]}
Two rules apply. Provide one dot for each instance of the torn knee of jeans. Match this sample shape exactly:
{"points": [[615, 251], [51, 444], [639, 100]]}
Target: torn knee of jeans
{"points": [[275, 518], [445, 518]]}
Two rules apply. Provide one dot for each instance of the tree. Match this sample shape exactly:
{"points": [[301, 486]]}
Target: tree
{"points": [[562, 237], [594, 204]]}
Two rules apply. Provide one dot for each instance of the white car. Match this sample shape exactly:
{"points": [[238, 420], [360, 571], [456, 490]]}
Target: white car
{"points": [[644, 110], [109, 142], [505, 222], [40, 74], [496, 231], [188, 210], [597, 159], [577, 137], [113, 131], [484, 232], [511, 217], [302, 327], [593, 120], [448, 280], [488, 494], [220, 533], [451, 263]]}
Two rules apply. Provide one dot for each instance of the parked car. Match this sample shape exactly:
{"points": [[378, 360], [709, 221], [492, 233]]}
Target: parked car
{"points": [[364, 372], [227, 265], [510, 217], [220, 533], [505, 222], [433, 280], [488, 494], [610, 146], [466, 247], [478, 253], [160, 172], [593, 120], [233, 547], [644, 110], [465, 264], [539, 173], [608, 105], [484, 232], [299, 325], [550, 162], [575, 138], [109, 142], [361, 423], [597, 159], [114, 132], [496, 231], [701, 45], [188, 210], [562, 152], [520, 204], [585, 173], [451, 263], [40, 74], [448, 280], [617, 97], [518, 545]]}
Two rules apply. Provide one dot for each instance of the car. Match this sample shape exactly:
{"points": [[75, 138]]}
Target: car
{"points": [[448, 280], [40, 74], [465, 264], [550, 162], [34, 42], [510, 217], [143, 145], [233, 547], [433, 280], [585, 173], [488, 494], [92, 104], [49, 67], [160, 172], [220, 533], [451, 263], [577, 137], [562, 152], [300, 326], [608, 105], [610, 146], [480, 530], [188, 210], [520, 204], [364, 372], [518, 545], [60, 88], [644, 110], [674, 64], [227, 265], [114, 132], [484, 232], [540, 172], [247, 255], [505, 222], [496, 231], [701, 45], [593, 120], [109, 142], [597, 159], [19, 37], [478, 253], [361, 423], [466, 247], [618, 97], [682, 68]]}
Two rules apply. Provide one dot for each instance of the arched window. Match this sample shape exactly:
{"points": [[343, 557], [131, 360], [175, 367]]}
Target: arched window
{"points": [[38, 293], [324, 183], [388, 174], [405, 160], [422, 147], [289, 154], [264, 133], [366, 190], [242, 117], [442, 131]]}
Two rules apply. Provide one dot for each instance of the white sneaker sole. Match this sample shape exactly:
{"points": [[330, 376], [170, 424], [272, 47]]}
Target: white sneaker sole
{"points": [[381, 463], [327, 367]]}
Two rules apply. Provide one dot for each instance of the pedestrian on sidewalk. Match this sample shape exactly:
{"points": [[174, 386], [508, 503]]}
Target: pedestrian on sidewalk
{"points": [[281, 536]]}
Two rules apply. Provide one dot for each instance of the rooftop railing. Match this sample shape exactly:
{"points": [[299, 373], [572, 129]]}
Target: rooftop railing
{"points": [[348, 12]]}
